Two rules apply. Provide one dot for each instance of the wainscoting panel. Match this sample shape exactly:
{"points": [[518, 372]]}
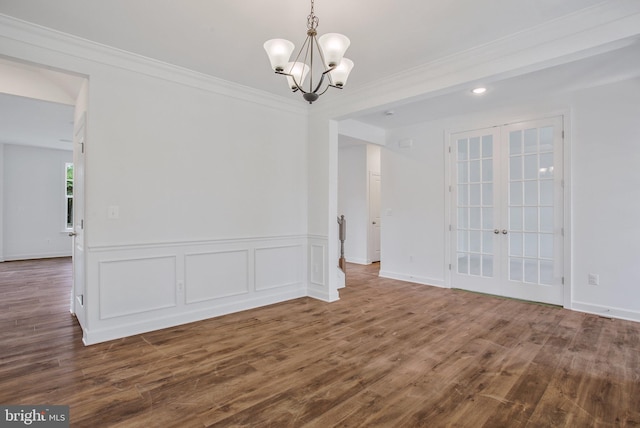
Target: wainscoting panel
{"points": [[214, 275], [136, 288], [318, 264], [147, 283], [278, 266]]}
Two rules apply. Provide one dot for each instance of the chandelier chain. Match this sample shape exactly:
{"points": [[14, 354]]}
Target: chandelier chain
{"points": [[312, 19]]}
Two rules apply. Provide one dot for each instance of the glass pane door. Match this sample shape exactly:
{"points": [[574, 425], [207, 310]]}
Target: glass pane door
{"points": [[534, 210], [475, 214], [507, 210]]}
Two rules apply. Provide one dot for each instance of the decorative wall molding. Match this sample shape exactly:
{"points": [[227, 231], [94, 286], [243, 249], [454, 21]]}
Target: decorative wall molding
{"points": [[197, 243], [148, 283], [215, 274], [175, 283], [56, 41], [277, 267], [317, 261]]}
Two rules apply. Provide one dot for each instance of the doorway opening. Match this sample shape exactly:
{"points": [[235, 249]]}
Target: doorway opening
{"points": [[359, 191], [47, 108]]}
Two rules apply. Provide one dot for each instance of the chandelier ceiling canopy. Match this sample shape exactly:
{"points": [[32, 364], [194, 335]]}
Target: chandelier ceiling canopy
{"points": [[329, 48]]}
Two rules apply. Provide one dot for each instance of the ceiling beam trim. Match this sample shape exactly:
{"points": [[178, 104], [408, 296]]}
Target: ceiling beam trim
{"points": [[606, 26]]}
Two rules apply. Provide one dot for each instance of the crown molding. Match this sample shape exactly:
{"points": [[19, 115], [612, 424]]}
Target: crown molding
{"points": [[606, 26], [23, 40]]}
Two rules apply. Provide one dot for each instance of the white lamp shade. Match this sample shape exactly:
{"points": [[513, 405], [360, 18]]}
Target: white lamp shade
{"points": [[340, 74], [298, 70], [279, 51], [333, 47]]}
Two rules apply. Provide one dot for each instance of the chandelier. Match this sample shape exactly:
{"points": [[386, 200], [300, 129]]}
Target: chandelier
{"points": [[330, 47]]}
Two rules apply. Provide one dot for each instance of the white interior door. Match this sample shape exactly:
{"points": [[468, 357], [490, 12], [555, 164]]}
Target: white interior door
{"points": [[78, 301], [476, 249], [507, 223], [374, 217], [534, 209]]}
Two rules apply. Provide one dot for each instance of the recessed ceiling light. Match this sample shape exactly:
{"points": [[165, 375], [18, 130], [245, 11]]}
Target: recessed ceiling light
{"points": [[479, 91], [389, 113]]}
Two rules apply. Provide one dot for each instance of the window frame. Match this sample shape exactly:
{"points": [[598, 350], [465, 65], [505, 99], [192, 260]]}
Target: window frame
{"points": [[68, 198]]}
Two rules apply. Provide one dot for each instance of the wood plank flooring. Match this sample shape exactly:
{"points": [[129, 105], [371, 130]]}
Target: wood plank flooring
{"points": [[388, 354]]}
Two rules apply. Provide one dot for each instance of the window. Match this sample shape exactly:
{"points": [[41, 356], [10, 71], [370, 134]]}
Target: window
{"points": [[69, 195]]}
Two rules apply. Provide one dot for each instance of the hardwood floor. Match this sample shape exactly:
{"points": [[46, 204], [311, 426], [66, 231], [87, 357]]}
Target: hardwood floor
{"points": [[388, 354]]}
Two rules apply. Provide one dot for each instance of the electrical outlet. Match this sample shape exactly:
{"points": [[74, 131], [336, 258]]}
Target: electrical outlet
{"points": [[593, 279]]}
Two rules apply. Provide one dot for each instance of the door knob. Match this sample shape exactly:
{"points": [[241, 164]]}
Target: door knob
{"points": [[504, 231], [374, 222], [72, 234], [496, 231]]}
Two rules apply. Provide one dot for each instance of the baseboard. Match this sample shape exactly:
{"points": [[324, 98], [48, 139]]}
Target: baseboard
{"points": [[605, 311], [411, 278], [358, 261], [321, 293], [34, 256], [92, 337]]}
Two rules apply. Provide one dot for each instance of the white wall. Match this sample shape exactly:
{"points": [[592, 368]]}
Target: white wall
{"points": [[412, 200], [34, 203], [353, 200], [605, 187], [211, 193], [1, 202], [606, 199], [182, 163], [210, 182]]}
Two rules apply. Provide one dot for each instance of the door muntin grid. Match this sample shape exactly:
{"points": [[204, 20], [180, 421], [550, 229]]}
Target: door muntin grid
{"points": [[531, 205], [475, 220]]}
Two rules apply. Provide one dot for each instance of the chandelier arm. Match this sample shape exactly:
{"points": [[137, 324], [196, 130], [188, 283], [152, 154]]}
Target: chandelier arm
{"points": [[298, 87], [324, 73], [324, 66], [293, 78], [310, 52]]}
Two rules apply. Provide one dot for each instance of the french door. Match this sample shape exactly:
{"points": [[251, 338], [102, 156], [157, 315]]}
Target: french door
{"points": [[507, 210]]}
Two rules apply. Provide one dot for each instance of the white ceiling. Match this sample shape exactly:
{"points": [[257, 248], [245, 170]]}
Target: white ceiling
{"points": [[223, 38], [26, 121], [609, 67]]}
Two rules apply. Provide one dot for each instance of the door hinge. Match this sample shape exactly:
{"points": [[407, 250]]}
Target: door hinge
{"points": [[563, 134], [449, 228], [81, 147], [562, 231], [449, 189], [563, 280], [449, 266], [82, 224], [449, 149]]}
